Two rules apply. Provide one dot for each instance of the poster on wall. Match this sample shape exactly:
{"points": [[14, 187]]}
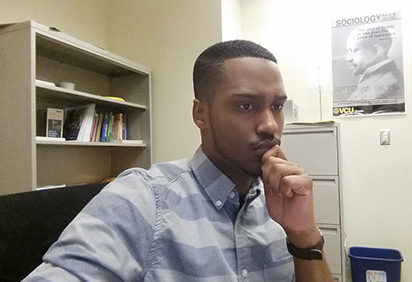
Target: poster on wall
{"points": [[367, 65]]}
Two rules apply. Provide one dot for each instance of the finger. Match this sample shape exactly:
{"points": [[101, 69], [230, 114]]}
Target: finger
{"points": [[296, 184], [271, 159], [274, 171], [275, 151], [276, 174]]}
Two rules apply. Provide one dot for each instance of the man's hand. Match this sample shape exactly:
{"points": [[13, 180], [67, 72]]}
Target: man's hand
{"points": [[289, 197]]}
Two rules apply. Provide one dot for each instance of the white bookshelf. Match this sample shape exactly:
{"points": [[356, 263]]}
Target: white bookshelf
{"points": [[33, 54]]}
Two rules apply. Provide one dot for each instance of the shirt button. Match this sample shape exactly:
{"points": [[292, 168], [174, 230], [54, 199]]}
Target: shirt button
{"points": [[218, 203], [245, 273], [232, 195]]}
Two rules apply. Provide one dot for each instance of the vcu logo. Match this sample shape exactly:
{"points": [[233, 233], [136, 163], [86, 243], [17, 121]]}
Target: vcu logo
{"points": [[343, 110]]}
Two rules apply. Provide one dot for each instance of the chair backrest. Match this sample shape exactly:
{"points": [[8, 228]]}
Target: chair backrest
{"points": [[30, 222]]}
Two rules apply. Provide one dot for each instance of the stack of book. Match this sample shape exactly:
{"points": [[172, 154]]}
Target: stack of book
{"points": [[85, 124], [110, 127]]}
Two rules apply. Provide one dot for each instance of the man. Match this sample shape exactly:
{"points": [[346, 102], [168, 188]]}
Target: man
{"points": [[368, 58], [209, 218]]}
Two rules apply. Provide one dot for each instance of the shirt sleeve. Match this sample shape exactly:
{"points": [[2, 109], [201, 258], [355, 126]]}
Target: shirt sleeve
{"points": [[110, 239]]}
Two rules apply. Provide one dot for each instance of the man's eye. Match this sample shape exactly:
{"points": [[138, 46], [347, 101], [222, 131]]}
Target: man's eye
{"points": [[246, 106], [277, 107]]}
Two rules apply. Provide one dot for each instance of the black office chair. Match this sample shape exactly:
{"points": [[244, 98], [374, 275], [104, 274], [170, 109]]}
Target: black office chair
{"points": [[30, 222]]}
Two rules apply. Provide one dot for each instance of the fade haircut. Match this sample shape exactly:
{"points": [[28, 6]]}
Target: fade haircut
{"points": [[208, 68]]}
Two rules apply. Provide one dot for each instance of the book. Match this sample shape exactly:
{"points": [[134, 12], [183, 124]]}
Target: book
{"points": [[105, 124], [125, 128], [54, 124], [99, 127], [94, 127], [72, 122], [109, 127], [78, 122], [117, 127], [87, 125]]}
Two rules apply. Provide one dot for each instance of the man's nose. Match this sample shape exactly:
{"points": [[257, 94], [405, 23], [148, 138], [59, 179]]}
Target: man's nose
{"points": [[349, 57], [267, 123]]}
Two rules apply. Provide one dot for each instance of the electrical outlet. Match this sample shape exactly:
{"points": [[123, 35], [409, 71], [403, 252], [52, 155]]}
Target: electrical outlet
{"points": [[385, 136]]}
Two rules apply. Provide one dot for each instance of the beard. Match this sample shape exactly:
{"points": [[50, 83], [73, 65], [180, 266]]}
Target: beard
{"points": [[250, 162], [251, 167], [246, 168]]}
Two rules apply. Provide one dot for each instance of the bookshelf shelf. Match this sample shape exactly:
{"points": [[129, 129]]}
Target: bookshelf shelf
{"points": [[130, 143], [34, 59], [56, 93]]}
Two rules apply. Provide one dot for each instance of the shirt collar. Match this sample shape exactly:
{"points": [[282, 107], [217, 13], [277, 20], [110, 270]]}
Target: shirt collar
{"points": [[215, 183]]}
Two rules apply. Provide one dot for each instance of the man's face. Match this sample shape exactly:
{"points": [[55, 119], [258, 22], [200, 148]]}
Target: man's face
{"points": [[359, 57], [245, 117]]}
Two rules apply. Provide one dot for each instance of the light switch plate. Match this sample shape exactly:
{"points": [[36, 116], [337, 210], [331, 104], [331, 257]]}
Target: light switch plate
{"points": [[385, 136]]}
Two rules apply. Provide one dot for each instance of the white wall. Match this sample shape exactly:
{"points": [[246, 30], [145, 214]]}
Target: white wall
{"points": [[167, 36], [377, 180], [231, 20], [85, 20]]}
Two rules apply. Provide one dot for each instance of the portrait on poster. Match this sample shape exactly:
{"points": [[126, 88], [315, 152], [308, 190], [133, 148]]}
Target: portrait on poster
{"points": [[367, 65]]}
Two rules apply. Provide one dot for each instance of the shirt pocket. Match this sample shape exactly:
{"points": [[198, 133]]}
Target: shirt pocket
{"points": [[278, 265]]}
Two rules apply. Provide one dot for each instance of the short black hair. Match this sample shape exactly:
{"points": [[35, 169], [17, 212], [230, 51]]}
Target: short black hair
{"points": [[208, 67]]}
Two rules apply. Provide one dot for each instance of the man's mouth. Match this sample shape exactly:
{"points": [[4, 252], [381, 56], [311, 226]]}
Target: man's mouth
{"points": [[264, 145], [353, 67]]}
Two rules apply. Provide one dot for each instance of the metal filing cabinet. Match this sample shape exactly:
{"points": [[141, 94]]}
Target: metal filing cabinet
{"points": [[316, 149]]}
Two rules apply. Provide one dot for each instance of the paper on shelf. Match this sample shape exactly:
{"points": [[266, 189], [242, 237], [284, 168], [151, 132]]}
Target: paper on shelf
{"points": [[53, 139], [129, 142], [44, 83]]}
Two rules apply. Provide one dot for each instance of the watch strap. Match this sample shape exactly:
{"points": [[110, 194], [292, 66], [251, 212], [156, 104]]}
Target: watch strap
{"points": [[311, 253]]}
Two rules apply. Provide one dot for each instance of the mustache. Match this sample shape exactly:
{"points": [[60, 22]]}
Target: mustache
{"points": [[267, 142]]}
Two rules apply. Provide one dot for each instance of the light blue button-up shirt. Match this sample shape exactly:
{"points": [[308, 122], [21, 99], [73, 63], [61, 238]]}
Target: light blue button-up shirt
{"points": [[177, 221]]}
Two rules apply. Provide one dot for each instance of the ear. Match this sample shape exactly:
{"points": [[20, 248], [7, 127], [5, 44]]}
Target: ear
{"points": [[379, 50], [199, 113]]}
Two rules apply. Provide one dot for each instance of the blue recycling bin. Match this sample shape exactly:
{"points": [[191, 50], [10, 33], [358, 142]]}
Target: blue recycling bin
{"points": [[375, 264]]}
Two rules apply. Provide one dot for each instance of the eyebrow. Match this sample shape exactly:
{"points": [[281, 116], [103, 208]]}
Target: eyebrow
{"points": [[281, 97]]}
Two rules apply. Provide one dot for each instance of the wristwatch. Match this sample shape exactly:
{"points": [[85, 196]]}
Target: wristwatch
{"points": [[311, 253]]}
